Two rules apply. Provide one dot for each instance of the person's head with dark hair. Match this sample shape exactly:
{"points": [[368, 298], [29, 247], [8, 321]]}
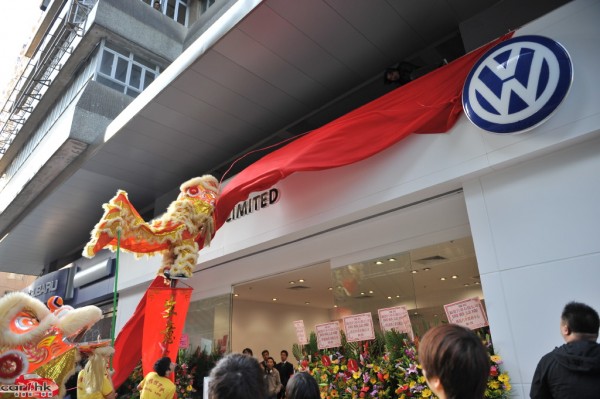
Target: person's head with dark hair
{"points": [[455, 362], [270, 363], [164, 366], [265, 354], [302, 386], [248, 351], [579, 321], [236, 376]]}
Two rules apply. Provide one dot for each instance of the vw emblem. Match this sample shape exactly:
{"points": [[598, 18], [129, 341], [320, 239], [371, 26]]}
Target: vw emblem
{"points": [[517, 84]]}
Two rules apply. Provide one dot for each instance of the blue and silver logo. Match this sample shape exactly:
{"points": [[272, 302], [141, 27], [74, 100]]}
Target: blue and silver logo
{"points": [[518, 84]]}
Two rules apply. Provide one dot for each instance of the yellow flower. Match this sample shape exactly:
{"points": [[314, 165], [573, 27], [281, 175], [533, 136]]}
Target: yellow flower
{"points": [[356, 375], [323, 377], [426, 393], [494, 384], [421, 380], [344, 367], [376, 368], [503, 377], [412, 384], [336, 369], [373, 380], [507, 386], [496, 358]]}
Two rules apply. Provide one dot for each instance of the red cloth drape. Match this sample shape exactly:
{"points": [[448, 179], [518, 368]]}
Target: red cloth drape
{"points": [[431, 104], [158, 300], [140, 338]]}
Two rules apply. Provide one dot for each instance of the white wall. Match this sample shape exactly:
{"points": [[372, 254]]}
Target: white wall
{"points": [[536, 227], [259, 326]]}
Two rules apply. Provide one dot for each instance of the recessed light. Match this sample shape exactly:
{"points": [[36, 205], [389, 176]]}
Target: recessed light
{"points": [[335, 306], [455, 276], [362, 293], [379, 262], [307, 303], [414, 272], [389, 297], [435, 315], [477, 282], [274, 299], [466, 285], [236, 294], [330, 288], [292, 282], [301, 280], [397, 296], [427, 269], [416, 313], [443, 278], [392, 259], [370, 291]]}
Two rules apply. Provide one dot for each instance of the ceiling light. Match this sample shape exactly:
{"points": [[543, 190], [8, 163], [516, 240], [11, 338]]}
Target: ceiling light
{"points": [[236, 294], [335, 306], [330, 288], [292, 282], [443, 278], [301, 280], [455, 276], [379, 262], [274, 299], [307, 303], [477, 282], [416, 313], [466, 285], [414, 272], [392, 259], [435, 315], [427, 269], [362, 293], [397, 296], [389, 297]]}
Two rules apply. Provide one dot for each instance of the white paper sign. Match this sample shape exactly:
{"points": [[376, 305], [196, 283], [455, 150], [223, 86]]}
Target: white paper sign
{"points": [[328, 335], [300, 332], [395, 318], [359, 327], [468, 313]]}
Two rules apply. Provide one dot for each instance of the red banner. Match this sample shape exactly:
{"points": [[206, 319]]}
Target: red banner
{"points": [[166, 310]]}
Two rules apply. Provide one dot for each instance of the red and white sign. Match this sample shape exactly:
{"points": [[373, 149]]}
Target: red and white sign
{"points": [[395, 318], [359, 327], [328, 335], [468, 313], [300, 332]]}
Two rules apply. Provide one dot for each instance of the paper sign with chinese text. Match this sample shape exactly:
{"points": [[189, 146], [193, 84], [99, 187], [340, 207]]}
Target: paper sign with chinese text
{"points": [[359, 327], [328, 335], [300, 332], [468, 313], [395, 318]]}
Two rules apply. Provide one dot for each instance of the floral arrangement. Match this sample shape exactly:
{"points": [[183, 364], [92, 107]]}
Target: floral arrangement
{"points": [[386, 367]]}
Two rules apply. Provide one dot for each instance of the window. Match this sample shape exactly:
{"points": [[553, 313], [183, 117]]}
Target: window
{"points": [[124, 71], [205, 4], [174, 9]]}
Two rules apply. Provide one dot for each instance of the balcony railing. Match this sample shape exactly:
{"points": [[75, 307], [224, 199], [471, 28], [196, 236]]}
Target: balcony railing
{"points": [[42, 69]]}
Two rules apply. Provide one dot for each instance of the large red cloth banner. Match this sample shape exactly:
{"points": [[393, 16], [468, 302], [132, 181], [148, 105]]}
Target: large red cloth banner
{"points": [[134, 342], [431, 104], [166, 309]]}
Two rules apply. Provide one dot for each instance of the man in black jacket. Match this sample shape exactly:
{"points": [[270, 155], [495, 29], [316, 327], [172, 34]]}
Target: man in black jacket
{"points": [[572, 370], [286, 370]]}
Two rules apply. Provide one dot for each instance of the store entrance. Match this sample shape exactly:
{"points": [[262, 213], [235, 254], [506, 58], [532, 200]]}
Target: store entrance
{"points": [[422, 280]]}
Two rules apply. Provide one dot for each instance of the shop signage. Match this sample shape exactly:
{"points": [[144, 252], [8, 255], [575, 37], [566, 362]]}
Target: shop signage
{"points": [[300, 332], [359, 327], [518, 84], [468, 313], [59, 283], [395, 318], [328, 335], [254, 204]]}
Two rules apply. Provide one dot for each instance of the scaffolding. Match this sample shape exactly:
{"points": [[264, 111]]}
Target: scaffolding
{"points": [[42, 68]]}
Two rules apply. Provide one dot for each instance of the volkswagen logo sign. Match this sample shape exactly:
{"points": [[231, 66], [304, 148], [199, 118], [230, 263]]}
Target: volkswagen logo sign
{"points": [[517, 84]]}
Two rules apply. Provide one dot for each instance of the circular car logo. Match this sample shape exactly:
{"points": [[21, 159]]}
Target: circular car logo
{"points": [[517, 84]]}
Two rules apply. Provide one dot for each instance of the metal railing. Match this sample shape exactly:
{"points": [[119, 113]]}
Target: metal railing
{"points": [[41, 69]]}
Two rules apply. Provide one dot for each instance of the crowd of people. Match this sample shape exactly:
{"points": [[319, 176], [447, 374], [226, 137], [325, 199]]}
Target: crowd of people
{"points": [[454, 361]]}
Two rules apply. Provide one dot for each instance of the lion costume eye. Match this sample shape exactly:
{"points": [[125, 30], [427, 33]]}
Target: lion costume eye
{"points": [[193, 191], [24, 322]]}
